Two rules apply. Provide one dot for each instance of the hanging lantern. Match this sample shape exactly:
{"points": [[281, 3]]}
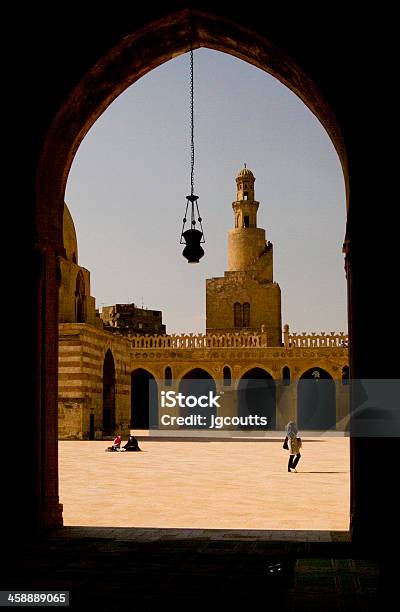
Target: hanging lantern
{"points": [[193, 237]]}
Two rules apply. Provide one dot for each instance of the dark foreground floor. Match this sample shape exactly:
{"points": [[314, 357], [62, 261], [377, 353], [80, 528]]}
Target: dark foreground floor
{"points": [[114, 574]]}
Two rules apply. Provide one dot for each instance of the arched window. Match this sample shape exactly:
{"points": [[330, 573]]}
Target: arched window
{"points": [[227, 376], [168, 376], [345, 375], [246, 219], [246, 314], [237, 315], [286, 376], [80, 299]]}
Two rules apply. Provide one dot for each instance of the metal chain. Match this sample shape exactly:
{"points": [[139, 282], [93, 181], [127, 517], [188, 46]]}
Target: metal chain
{"points": [[191, 122]]}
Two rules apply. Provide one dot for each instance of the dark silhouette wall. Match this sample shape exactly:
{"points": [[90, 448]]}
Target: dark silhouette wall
{"points": [[327, 62]]}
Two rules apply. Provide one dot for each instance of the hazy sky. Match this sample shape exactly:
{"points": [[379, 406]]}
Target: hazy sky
{"points": [[128, 184]]}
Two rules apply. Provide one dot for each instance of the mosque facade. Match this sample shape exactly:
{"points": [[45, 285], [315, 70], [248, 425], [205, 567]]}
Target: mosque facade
{"points": [[104, 376]]}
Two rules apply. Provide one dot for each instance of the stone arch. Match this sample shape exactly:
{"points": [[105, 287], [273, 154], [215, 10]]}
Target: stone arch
{"points": [[316, 400], [257, 397], [109, 381], [67, 124], [251, 366], [143, 398], [198, 382], [324, 370], [80, 298], [186, 373], [138, 53]]}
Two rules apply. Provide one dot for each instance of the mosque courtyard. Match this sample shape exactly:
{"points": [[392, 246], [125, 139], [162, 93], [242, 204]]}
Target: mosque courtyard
{"points": [[207, 484]]}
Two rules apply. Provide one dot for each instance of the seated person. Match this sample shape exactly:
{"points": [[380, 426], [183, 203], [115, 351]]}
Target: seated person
{"points": [[116, 446], [132, 444]]}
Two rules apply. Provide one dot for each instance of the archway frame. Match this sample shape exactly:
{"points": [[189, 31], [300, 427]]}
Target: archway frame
{"points": [[252, 366], [332, 390], [242, 387], [191, 369], [326, 368], [134, 56], [141, 373], [145, 369]]}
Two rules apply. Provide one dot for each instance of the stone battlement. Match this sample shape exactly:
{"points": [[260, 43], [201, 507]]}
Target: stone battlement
{"points": [[314, 340], [238, 340]]}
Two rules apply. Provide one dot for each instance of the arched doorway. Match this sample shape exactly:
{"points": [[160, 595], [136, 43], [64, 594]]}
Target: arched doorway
{"points": [[108, 394], [316, 400], [196, 383], [143, 390], [257, 397], [70, 122]]}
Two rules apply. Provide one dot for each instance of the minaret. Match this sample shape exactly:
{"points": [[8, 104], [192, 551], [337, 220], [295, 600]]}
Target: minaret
{"points": [[247, 246], [246, 299]]}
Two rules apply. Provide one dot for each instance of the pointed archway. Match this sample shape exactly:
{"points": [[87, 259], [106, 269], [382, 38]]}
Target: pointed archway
{"points": [[70, 120], [316, 400], [257, 397], [196, 383], [143, 386]]}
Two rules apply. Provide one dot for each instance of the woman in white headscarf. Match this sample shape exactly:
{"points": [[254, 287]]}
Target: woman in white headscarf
{"points": [[293, 444]]}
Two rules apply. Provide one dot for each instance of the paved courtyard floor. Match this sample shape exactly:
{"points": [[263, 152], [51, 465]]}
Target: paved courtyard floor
{"points": [[207, 485]]}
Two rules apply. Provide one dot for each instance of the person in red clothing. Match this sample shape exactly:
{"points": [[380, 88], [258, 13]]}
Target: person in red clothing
{"points": [[116, 446]]}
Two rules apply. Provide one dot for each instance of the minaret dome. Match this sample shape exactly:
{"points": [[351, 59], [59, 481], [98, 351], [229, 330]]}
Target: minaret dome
{"points": [[245, 184]]}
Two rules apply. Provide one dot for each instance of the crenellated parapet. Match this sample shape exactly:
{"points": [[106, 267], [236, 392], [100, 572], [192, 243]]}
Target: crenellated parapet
{"points": [[199, 341], [314, 339], [238, 340]]}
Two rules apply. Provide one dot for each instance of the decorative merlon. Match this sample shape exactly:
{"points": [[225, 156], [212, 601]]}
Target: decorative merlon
{"points": [[238, 340], [314, 340]]}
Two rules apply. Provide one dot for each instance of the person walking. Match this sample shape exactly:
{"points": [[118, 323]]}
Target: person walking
{"points": [[293, 444]]}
